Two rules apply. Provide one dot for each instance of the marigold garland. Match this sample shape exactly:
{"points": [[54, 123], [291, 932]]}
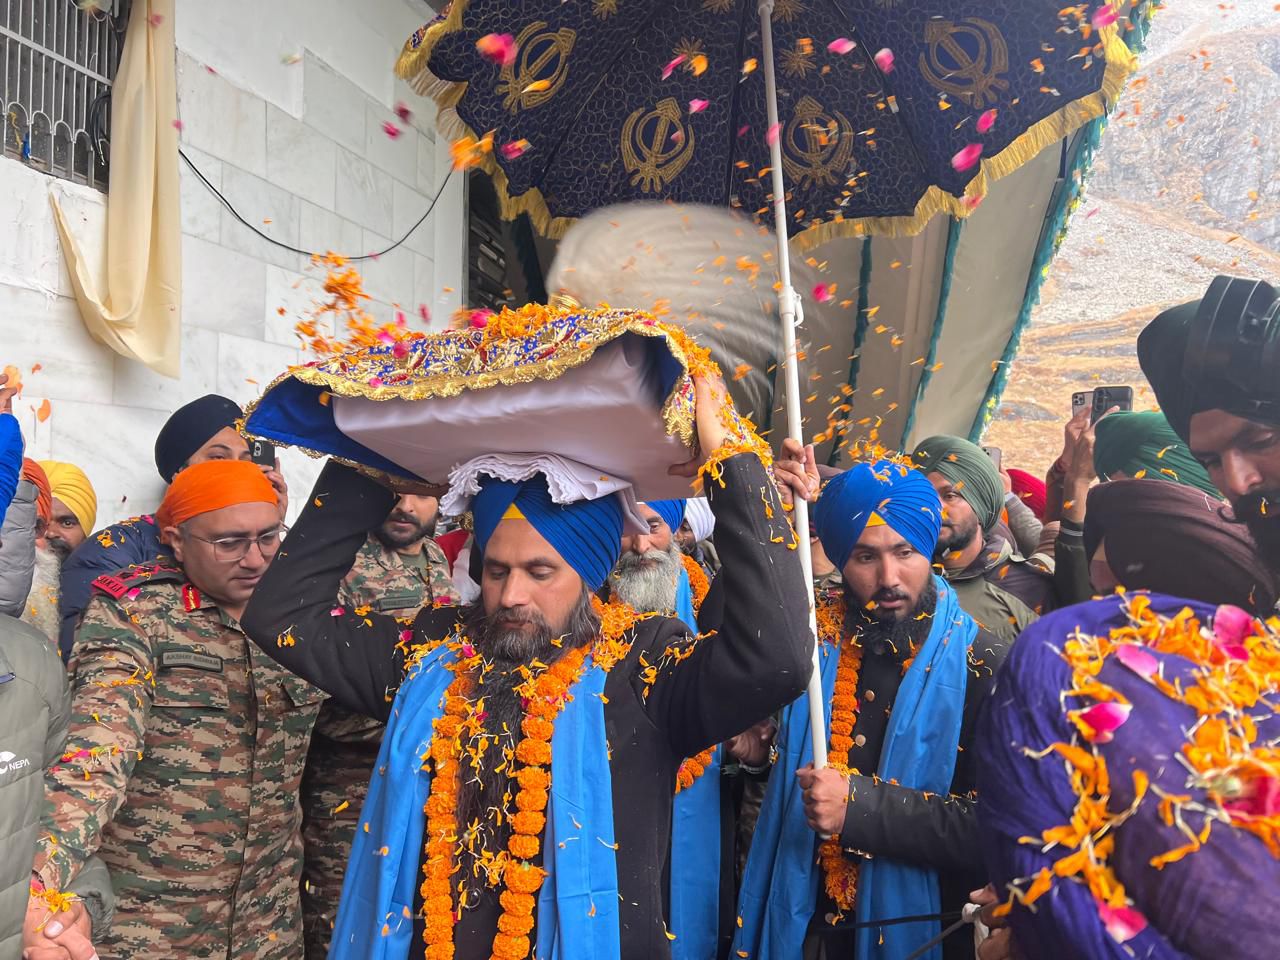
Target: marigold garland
{"points": [[840, 872], [694, 767], [545, 694], [699, 584]]}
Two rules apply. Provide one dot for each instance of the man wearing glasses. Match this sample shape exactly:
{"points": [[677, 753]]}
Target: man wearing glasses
{"points": [[187, 743]]}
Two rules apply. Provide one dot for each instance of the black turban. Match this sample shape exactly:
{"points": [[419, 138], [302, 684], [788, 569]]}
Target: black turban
{"points": [[1162, 349], [190, 428]]}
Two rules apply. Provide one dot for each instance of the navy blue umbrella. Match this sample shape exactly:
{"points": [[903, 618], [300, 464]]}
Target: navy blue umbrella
{"points": [[820, 117]]}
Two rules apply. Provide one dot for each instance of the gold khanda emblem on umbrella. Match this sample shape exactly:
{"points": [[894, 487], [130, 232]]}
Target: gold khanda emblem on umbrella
{"points": [[817, 145], [540, 68], [656, 145], [966, 59]]}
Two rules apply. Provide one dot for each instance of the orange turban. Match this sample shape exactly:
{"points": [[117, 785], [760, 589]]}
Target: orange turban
{"points": [[213, 485], [44, 497]]}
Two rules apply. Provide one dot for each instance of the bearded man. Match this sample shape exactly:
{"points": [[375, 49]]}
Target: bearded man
{"points": [[399, 571], [553, 729], [995, 585], [905, 671], [1212, 365]]}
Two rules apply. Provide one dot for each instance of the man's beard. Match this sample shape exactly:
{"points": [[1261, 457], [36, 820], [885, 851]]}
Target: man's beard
{"points": [[648, 582], [59, 548], [954, 539], [901, 633], [397, 541], [1260, 512], [41, 608], [508, 651], [927, 600]]}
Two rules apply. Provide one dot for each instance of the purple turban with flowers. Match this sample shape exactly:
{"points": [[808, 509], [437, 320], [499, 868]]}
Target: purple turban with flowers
{"points": [[1217, 900]]}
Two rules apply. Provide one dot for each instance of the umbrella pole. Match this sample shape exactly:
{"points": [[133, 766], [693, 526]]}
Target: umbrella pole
{"points": [[791, 373]]}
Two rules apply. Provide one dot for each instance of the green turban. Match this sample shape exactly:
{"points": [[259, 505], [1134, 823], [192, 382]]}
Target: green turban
{"points": [[969, 470], [1143, 445]]}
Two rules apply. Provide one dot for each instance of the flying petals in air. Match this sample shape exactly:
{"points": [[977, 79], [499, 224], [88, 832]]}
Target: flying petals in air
{"points": [[987, 120], [967, 158], [1104, 16], [1138, 659], [670, 68], [390, 129], [1231, 626], [42, 413], [841, 46], [514, 150], [403, 112], [771, 135], [1123, 923], [1103, 719], [884, 60], [697, 106], [823, 293], [498, 47]]}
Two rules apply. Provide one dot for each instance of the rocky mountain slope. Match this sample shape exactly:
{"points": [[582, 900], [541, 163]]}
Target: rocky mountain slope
{"points": [[1186, 185]]}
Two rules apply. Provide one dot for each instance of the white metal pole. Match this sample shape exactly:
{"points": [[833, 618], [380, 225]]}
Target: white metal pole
{"points": [[791, 372]]}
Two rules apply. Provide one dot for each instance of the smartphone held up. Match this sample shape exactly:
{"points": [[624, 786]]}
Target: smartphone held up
{"points": [[1101, 400]]}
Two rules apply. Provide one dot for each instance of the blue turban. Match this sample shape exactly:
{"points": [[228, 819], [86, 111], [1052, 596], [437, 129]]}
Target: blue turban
{"points": [[671, 511], [587, 534], [900, 496], [10, 459]]}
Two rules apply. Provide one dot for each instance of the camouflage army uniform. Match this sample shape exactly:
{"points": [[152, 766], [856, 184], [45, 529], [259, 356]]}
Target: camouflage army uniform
{"points": [[182, 770], [345, 748]]}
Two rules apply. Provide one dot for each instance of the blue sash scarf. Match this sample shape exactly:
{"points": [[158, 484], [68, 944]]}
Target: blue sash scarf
{"points": [[695, 844], [578, 904], [780, 888]]}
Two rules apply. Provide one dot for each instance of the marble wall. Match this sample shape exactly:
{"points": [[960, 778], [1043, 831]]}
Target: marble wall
{"points": [[287, 123]]}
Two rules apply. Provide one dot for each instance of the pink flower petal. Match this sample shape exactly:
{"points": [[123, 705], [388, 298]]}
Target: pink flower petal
{"points": [[177, 125], [884, 60], [400, 319], [390, 129], [337, 611], [744, 130], [1104, 719], [424, 312], [1138, 659], [480, 318], [498, 47], [771, 135], [972, 203], [1104, 16], [400, 350], [1231, 626], [514, 150], [468, 650], [406, 636], [670, 68], [967, 158], [1259, 797], [155, 19], [697, 106], [987, 120], [386, 337], [375, 381], [1123, 923], [403, 112], [841, 46], [822, 293]]}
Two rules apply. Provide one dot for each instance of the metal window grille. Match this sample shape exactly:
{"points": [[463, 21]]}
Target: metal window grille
{"points": [[57, 61]]}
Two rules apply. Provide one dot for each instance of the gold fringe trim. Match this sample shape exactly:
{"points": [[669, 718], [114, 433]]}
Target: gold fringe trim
{"points": [[1120, 64]]}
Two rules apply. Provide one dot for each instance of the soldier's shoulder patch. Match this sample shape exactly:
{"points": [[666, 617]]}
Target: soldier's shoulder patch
{"points": [[113, 586]]}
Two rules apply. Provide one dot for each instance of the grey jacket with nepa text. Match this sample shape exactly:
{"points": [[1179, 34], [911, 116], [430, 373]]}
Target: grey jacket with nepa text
{"points": [[35, 707]]}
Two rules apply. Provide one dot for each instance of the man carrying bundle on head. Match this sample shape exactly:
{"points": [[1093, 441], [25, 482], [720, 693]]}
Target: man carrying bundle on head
{"points": [[533, 744], [888, 829]]}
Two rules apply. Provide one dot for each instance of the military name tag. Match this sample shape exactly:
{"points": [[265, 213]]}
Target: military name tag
{"points": [[186, 658]]}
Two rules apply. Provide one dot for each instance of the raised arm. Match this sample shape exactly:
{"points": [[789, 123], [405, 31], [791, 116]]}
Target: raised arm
{"points": [[295, 614], [760, 656]]}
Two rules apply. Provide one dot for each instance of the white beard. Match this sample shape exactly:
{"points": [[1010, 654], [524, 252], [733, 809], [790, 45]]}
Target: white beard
{"points": [[650, 588], [41, 610]]}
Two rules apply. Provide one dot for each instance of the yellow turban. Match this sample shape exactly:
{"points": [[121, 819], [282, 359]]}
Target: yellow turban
{"points": [[68, 483]]}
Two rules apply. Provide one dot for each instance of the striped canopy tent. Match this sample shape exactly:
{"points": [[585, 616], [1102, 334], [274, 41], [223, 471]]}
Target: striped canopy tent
{"points": [[928, 308]]}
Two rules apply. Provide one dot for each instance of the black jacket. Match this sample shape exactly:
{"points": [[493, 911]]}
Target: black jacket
{"points": [[887, 820], [758, 661]]}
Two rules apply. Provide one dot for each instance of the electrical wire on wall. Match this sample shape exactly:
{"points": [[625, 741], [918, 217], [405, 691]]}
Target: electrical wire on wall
{"points": [[312, 253]]}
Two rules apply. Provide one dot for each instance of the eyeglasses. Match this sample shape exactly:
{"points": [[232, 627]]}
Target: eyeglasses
{"points": [[235, 549]]}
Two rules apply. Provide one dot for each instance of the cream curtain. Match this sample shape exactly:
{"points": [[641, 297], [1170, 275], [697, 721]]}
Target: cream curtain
{"points": [[138, 313]]}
